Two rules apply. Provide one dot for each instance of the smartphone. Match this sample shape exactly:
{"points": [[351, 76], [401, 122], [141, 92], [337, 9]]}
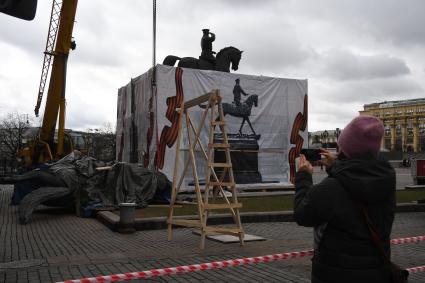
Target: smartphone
{"points": [[311, 154]]}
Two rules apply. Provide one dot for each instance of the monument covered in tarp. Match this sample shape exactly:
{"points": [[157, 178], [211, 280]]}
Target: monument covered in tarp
{"points": [[77, 179], [266, 121]]}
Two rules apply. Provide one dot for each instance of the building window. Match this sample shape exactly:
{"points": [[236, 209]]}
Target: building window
{"points": [[398, 144], [410, 130], [387, 144], [387, 130], [398, 130]]}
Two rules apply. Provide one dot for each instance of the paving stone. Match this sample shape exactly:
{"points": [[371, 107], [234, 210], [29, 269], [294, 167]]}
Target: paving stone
{"points": [[67, 247]]}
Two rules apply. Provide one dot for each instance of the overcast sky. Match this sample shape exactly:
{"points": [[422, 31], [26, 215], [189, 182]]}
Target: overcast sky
{"points": [[352, 52]]}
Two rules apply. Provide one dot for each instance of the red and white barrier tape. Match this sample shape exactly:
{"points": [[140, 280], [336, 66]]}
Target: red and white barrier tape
{"points": [[223, 264], [192, 268], [407, 240], [416, 269]]}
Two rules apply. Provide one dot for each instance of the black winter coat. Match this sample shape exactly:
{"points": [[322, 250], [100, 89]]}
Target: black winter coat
{"points": [[346, 252]]}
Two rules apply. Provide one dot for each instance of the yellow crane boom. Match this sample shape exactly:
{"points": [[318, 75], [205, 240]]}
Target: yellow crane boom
{"points": [[59, 42], [55, 102]]}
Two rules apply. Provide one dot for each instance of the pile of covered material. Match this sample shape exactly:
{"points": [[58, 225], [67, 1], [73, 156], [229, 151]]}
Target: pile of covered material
{"points": [[75, 178]]}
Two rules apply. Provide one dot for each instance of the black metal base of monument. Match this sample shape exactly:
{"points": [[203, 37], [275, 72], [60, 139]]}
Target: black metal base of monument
{"points": [[244, 156]]}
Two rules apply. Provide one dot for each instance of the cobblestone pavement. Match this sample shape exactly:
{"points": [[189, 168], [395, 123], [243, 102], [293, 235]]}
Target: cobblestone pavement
{"points": [[56, 246]]}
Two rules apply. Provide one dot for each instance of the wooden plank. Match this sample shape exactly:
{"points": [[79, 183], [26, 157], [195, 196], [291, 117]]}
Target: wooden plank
{"points": [[264, 189], [229, 238], [223, 230], [228, 165], [220, 145], [218, 123], [222, 205], [200, 99], [186, 222], [223, 184], [181, 203], [163, 205]]}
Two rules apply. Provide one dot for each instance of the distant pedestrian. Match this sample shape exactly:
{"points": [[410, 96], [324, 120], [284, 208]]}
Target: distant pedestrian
{"points": [[357, 179]]}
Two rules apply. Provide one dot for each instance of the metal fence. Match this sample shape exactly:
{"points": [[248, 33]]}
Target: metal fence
{"points": [[8, 167]]}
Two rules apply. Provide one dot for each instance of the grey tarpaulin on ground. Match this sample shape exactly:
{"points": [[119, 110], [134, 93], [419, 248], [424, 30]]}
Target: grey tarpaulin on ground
{"points": [[124, 182]]}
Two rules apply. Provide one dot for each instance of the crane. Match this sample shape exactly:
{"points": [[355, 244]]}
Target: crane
{"points": [[59, 42], [43, 147]]}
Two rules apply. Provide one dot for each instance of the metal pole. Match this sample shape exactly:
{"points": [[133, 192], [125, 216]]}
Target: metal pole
{"points": [[154, 34]]}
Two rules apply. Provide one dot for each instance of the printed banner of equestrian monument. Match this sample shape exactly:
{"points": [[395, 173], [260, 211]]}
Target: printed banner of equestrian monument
{"points": [[266, 121]]}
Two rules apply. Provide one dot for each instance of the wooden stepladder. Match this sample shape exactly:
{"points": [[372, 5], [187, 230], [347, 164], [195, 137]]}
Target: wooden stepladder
{"points": [[220, 190]]}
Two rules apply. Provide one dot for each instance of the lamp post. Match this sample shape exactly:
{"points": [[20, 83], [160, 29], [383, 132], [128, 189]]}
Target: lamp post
{"points": [[337, 132], [325, 136]]}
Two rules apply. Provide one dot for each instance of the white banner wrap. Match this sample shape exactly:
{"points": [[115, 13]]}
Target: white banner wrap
{"points": [[147, 121]]}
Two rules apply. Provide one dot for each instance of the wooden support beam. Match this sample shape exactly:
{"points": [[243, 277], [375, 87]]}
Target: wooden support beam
{"points": [[222, 205], [213, 95]]}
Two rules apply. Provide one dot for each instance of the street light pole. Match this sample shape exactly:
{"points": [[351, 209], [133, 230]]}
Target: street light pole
{"points": [[325, 135], [337, 132]]}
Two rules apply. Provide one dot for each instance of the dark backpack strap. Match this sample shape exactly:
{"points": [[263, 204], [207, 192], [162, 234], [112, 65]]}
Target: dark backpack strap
{"points": [[374, 235]]}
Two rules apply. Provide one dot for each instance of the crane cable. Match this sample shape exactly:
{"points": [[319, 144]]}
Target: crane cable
{"points": [[153, 83], [154, 34]]}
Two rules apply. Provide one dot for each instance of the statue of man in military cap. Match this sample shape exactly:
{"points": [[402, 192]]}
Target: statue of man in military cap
{"points": [[237, 91], [206, 45]]}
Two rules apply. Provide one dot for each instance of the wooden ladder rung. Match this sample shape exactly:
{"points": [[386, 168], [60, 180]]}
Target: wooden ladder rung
{"points": [[222, 205], [219, 145], [186, 222], [223, 184], [218, 123], [223, 230], [228, 165]]}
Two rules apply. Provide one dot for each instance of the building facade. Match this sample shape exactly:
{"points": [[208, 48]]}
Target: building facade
{"points": [[327, 138], [404, 123]]}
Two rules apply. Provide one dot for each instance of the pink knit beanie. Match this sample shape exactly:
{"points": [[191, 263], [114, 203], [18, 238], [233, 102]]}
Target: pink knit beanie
{"points": [[361, 137]]}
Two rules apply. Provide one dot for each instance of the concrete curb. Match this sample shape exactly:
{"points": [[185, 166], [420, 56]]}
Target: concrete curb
{"points": [[415, 187], [111, 220]]}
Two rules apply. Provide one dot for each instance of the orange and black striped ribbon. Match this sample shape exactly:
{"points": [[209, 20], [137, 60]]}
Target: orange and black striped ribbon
{"points": [[169, 133], [300, 124]]}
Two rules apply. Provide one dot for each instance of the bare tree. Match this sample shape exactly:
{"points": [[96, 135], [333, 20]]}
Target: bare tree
{"points": [[102, 143], [12, 129]]}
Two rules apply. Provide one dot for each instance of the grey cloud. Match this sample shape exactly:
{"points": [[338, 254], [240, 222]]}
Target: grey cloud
{"points": [[330, 115], [397, 21], [345, 65], [362, 92], [29, 36], [280, 39], [270, 50], [83, 120]]}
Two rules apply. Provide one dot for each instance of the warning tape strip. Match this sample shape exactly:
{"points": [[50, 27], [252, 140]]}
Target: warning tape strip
{"points": [[223, 264], [415, 269], [407, 240]]}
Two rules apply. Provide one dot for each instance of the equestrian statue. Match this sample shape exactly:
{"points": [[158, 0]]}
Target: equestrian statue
{"points": [[225, 57], [243, 110]]}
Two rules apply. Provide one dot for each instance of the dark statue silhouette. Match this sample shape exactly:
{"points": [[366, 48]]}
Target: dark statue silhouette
{"points": [[226, 56], [242, 111], [243, 147], [237, 91], [206, 46]]}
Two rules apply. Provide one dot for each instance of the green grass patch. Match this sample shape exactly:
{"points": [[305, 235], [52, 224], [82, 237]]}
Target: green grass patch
{"points": [[259, 204], [410, 195]]}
